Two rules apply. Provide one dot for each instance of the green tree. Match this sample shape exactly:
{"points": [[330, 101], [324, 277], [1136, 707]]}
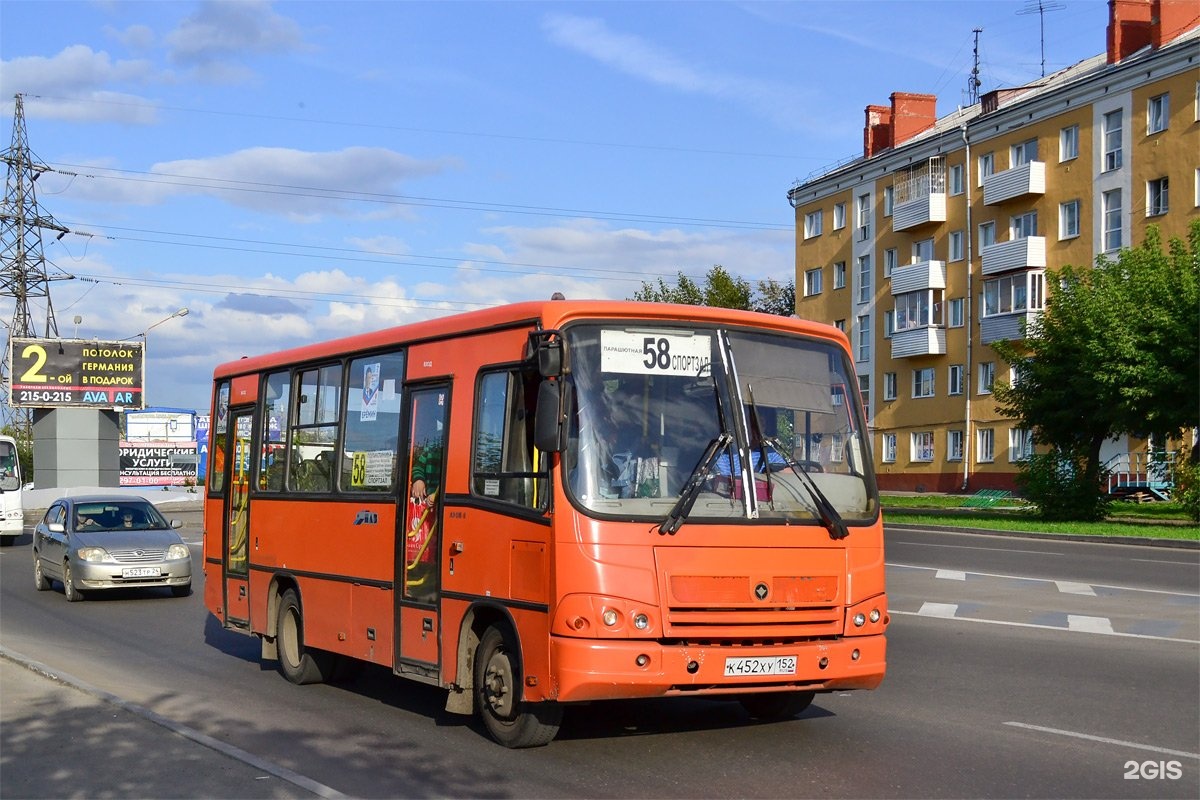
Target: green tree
{"points": [[722, 290], [1116, 352]]}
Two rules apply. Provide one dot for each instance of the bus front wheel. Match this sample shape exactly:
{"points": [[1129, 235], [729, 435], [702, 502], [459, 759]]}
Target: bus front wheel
{"points": [[299, 664], [498, 682]]}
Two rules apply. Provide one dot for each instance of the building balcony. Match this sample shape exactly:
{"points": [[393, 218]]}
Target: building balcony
{"points": [[928, 340], [1029, 178], [918, 212], [918, 276], [1005, 327], [1029, 252]]}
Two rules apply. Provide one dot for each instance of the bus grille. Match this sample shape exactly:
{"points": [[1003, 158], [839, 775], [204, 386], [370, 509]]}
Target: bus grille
{"points": [[753, 623]]}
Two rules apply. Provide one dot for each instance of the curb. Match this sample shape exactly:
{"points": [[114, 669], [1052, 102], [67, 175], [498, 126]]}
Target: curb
{"points": [[1141, 541]]}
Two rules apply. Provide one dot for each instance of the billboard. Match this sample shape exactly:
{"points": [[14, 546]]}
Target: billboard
{"points": [[158, 463], [74, 373]]}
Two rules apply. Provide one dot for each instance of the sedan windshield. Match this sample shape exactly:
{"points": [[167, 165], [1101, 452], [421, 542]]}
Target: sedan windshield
{"points": [[117, 516], [715, 425]]}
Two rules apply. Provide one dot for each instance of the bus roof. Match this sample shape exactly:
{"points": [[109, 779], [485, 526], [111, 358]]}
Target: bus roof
{"points": [[545, 313]]}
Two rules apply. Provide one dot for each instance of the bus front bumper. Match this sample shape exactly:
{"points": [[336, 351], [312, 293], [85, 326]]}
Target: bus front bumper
{"points": [[600, 669]]}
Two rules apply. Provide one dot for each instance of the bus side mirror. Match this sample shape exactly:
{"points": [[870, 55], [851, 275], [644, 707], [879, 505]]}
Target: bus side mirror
{"points": [[549, 430]]}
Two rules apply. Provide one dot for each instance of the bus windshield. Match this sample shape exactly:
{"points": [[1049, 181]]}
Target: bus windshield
{"points": [[782, 412], [10, 468]]}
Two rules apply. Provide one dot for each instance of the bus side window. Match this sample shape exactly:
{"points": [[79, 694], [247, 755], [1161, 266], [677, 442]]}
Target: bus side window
{"points": [[505, 465]]}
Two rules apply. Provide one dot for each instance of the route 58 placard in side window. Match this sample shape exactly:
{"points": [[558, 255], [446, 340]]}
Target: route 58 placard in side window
{"points": [[649, 352]]}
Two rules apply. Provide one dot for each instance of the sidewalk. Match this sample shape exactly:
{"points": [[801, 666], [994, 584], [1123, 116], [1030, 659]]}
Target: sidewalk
{"points": [[63, 738]]}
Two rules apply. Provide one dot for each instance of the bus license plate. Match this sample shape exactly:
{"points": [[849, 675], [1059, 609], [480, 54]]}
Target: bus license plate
{"points": [[772, 665], [140, 572]]}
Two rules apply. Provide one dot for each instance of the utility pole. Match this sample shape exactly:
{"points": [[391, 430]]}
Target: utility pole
{"points": [[24, 273]]}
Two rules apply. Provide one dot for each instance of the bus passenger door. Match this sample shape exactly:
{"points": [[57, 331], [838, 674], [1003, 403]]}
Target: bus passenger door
{"points": [[418, 569], [235, 536]]}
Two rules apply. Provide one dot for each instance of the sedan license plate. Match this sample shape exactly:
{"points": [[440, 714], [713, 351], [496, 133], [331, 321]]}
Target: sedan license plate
{"points": [[141, 572], [769, 665]]}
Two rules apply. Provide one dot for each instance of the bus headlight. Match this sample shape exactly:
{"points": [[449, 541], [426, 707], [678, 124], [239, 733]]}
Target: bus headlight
{"points": [[610, 617], [641, 621]]}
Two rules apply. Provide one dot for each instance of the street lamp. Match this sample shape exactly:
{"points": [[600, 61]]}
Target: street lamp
{"points": [[183, 312]]}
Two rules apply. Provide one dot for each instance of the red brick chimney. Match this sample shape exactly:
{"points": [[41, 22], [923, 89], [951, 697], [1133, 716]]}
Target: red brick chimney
{"points": [[877, 132], [1133, 24], [911, 114]]}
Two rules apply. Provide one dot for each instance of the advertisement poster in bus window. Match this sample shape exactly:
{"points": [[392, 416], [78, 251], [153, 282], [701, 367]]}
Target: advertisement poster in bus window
{"points": [[223, 408], [370, 393]]}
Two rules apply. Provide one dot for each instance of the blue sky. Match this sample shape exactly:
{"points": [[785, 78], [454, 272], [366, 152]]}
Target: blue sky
{"points": [[295, 171]]}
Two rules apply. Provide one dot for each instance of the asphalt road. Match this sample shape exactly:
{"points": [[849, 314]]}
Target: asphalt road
{"points": [[1017, 668]]}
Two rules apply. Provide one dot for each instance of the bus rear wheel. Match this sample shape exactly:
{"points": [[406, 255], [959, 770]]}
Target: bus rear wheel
{"points": [[299, 664], [498, 681], [776, 705]]}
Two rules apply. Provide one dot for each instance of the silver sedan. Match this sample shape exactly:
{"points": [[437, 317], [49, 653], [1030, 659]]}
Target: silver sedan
{"points": [[109, 542]]}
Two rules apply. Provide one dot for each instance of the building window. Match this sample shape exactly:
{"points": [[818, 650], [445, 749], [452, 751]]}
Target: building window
{"points": [[812, 282], [1068, 219], [957, 318], [987, 165], [888, 441], [1112, 220], [889, 324], [840, 324], [1023, 153], [987, 376], [889, 386], [1158, 113], [1023, 225], [918, 309], [839, 216], [864, 391], [922, 382], [1011, 294], [1020, 444], [1068, 143], [922, 446], [864, 279], [985, 449], [813, 221], [987, 234], [889, 200], [1156, 197], [956, 179], [862, 211], [922, 250], [956, 245], [889, 262], [839, 275], [955, 379], [864, 337], [1112, 140], [954, 445]]}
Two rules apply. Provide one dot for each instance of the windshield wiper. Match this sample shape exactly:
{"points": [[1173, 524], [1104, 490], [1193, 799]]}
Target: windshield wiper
{"points": [[691, 489], [829, 515]]}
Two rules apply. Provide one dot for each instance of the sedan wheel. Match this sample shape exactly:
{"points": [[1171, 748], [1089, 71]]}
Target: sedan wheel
{"points": [[72, 594], [40, 581]]}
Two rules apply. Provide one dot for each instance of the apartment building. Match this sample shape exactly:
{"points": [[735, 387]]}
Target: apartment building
{"points": [[935, 243]]}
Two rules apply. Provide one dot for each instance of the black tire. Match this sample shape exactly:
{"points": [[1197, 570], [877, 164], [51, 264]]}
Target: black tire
{"points": [[70, 591], [40, 581], [299, 664], [498, 683], [181, 591], [776, 705]]}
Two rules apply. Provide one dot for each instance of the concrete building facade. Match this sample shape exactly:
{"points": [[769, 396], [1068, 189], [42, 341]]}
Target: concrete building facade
{"points": [[935, 243]]}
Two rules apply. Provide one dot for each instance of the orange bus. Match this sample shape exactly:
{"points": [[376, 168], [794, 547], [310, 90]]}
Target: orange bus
{"points": [[551, 503]]}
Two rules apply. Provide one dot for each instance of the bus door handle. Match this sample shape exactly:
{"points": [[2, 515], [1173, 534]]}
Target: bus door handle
{"points": [[456, 548]]}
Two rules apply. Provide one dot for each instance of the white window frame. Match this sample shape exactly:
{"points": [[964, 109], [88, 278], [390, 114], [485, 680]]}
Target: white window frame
{"points": [[987, 165], [987, 234], [889, 386], [839, 216], [839, 275], [954, 379], [864, 337], [918, 309], [814, 221], [1068, 219], [1158, 113], [862, 212], [1020, 445], [957, 312], [1111, 238], [812, 282], [922, 250], [889, 323], [1157, 197], [987, 377], [956, 179], [1022, 226], [1113, 125], [955, 246], [887, 447], [1068, 143], [1014, 293], [921, 446], [985, 445], [864, 278], [1023, 153], [889, 200], [890, 259], [954, 445], [923, 382]]}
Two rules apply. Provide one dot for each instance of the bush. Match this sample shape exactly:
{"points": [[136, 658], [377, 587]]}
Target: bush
{"points": [[1057, 487], [1186, 491]]}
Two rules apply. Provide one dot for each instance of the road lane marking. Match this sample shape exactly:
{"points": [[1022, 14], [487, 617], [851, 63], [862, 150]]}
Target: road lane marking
{"points": [[1058, 628], [1085, 624], [951, 575], [946, 610], [1106, 740], [1049, 580], [968, 547], [1070, 587]]}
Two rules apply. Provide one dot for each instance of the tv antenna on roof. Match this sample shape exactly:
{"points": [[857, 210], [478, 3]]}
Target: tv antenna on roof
{"points": [[974, 83], [1040, 7]]}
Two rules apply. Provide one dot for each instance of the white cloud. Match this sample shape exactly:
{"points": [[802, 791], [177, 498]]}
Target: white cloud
{"points": [[221, 32], [56, 85]]}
